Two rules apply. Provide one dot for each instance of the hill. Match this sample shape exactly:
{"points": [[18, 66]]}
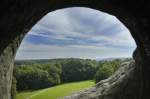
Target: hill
{"points": [[55, 92]]}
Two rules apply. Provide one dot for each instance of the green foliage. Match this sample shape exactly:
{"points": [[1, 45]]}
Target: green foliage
{"points": [[106, 69], [37, 74], [42, 73], [36, 77], [104, 72], [77, 70], [54, 72]]}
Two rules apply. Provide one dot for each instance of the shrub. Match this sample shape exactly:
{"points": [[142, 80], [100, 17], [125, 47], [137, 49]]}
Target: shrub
{"points": [[107, 69], [104, 72]]}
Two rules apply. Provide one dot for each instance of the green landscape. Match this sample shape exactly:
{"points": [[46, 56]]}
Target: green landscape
{"points": [[72, 50], [53, 78], [56, 92]]}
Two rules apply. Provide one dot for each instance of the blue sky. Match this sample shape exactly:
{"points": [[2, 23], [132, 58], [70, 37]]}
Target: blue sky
{"points": [[79, 33]]}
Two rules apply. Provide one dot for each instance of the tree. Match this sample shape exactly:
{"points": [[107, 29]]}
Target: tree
{"points": [[104, 72], [78, 70], [37, 76], [54, 72], [31, 77], [106, 69]]}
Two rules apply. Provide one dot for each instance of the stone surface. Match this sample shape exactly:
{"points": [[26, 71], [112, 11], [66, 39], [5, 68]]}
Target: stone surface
{"points": [[6, 68], [122, 85], [18, 16]]}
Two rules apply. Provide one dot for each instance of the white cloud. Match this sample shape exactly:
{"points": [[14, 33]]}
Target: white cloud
{"points": [[71, 22], [34, 51], [84, 23]]}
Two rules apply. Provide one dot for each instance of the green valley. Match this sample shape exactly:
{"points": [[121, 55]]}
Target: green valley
{"points": [[57, 91]]}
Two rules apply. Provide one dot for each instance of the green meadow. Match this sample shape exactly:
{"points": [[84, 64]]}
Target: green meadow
{"points": [[57, 91]]}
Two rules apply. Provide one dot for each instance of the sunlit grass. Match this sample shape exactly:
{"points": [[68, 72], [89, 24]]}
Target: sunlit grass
{"points": [[57, 91]]}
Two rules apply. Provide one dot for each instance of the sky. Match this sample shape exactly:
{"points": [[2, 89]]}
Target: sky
{"points": [[77, 33]]}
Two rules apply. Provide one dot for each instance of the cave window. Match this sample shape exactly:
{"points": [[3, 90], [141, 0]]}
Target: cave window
{"points": [[78, 33]]}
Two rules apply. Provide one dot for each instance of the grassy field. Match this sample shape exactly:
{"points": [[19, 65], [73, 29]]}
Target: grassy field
{"points": [[55, 92]]}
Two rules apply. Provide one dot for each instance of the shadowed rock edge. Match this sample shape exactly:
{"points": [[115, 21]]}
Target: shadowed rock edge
{"points": [[115, 87], [19, 16]]}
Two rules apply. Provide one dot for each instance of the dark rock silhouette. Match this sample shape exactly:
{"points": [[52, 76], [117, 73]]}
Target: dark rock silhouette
{"points": [[18, 16]]}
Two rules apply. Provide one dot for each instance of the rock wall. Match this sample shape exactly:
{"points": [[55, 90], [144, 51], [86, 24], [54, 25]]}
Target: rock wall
{"points": [[18, 17], [5, 73], [122, 85], [6, 68]]}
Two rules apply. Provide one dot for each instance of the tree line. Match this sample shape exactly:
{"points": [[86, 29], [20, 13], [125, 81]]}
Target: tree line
{"points": [[39, 74]]}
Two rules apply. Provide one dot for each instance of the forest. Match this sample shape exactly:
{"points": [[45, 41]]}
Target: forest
{"points": [[38, 74]]}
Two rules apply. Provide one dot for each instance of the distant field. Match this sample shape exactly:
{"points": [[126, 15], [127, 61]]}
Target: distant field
{"points": [[55, 92]]}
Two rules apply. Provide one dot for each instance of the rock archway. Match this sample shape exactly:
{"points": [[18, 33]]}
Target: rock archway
{"points": [[18, 17]]}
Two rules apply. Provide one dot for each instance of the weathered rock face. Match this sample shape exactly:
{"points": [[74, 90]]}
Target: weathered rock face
{"points": [[122, 85], [6, 68], [5, 73], [18, 16]]}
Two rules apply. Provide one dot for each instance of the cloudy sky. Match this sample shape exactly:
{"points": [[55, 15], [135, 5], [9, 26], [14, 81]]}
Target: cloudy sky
{"points": [[79, 33]]}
